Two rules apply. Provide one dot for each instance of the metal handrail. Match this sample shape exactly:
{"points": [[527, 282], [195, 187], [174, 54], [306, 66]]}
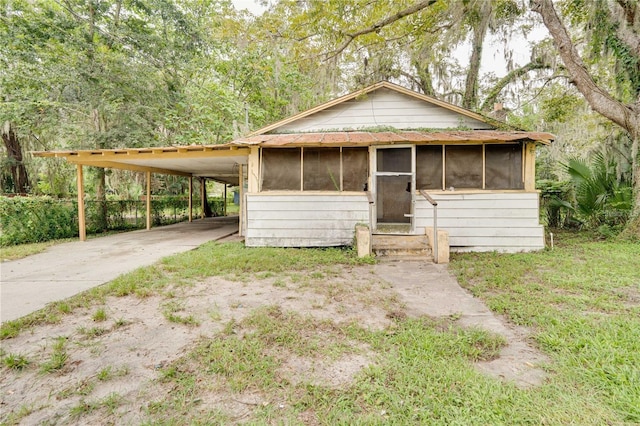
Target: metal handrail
{"points": [[434, 203], [370, 197]]}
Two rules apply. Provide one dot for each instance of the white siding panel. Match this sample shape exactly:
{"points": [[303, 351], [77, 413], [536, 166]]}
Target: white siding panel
{"points": [[488, 221], [426, 211], [316, 214], [383, 107], [304, 220], [325, 241]]}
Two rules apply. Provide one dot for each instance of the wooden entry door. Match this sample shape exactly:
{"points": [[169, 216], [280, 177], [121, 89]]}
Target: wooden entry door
{"points": [[394, 189]]}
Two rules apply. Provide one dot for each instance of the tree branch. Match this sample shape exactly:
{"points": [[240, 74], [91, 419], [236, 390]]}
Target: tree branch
{"points": [[509, 78], [379, 25], [601, 101]]}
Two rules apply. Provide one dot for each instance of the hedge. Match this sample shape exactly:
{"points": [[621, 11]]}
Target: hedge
{"points": [[36, 219]]}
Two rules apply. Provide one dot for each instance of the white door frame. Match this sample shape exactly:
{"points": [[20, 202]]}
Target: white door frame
{"points": [[374, 182]]}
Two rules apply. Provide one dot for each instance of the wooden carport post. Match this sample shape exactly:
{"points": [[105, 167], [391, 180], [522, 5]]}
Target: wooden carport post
{"points": [[148, 200], [202, 200], [241, 213], [190, 198], [82, 224]]}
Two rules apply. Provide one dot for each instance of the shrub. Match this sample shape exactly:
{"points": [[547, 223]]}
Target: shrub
{"points": [[35, 219]]}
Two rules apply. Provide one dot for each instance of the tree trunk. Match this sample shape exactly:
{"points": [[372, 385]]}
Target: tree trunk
{"points": [[16, 161], [470, 99], [207, 207]]}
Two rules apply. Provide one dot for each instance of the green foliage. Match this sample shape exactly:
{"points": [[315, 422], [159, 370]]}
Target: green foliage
{"points": [[555, 202], [35, 219], [600, 197]]}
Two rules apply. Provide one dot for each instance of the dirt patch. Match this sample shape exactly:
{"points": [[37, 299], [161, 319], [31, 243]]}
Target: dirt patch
{"points": [[123, 355], [112, 367]]}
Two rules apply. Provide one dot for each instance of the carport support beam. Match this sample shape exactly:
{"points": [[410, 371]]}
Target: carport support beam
{"points": [[202, 200], [241, 223], [82, 223], [148, 200], [190, 198]]}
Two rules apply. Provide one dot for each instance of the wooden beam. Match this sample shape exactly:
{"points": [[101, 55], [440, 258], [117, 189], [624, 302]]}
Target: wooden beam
{"points": [[190, 199], [253, 170], [148, 200], [530, 167], [202, 200], [241, 223], [159, 154], [82, 225], [124, 166]]}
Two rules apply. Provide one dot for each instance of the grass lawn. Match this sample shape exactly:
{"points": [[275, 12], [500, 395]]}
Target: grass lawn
{"points": [[581, 301], [24, 250]]}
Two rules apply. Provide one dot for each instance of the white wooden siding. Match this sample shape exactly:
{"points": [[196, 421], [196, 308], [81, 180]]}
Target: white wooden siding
{"points": [[507, 222], [383, 107], [304, 220]]}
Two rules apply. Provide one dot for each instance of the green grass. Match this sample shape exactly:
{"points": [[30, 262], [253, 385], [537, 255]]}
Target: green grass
{"points": [[109, 404], [58, 358], [24, 250], [15, 361], [583, 300], [236, 260], [171, 311], [99, 315]]}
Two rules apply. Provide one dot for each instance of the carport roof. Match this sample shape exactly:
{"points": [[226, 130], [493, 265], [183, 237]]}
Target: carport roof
{"points": [[218, 162]]}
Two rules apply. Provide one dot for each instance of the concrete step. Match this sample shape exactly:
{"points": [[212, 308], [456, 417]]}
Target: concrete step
{"points": [[404, 246]]}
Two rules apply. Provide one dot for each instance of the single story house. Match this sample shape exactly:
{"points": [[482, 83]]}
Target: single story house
{"points": [[381, 156]]}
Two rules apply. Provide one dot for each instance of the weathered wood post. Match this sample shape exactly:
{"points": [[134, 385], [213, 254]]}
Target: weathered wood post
{"points": [[82, 225]]}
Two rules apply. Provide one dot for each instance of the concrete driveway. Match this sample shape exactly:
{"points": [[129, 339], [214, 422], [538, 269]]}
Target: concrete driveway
{"points": [[29, 284]]}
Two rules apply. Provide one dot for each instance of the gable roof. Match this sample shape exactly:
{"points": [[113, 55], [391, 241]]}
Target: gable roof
{"points": [[491, 123]]}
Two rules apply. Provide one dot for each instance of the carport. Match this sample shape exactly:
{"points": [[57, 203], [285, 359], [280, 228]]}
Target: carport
{"points": [[222, 163]]}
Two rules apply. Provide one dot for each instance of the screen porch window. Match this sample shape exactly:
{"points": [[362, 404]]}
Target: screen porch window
{"points": [[463, 166], [429, 167], [281, 169], [315, 169], [503, 166]]}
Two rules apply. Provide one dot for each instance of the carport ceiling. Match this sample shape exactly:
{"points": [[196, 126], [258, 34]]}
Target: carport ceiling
{"points": [[218, 162]]}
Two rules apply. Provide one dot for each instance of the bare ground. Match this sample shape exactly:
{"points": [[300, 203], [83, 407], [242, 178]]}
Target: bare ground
{"points": [[112, 367]]}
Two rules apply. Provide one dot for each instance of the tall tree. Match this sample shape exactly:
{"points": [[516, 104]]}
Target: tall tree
{"points": [[617, 36], [377, 40]]}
